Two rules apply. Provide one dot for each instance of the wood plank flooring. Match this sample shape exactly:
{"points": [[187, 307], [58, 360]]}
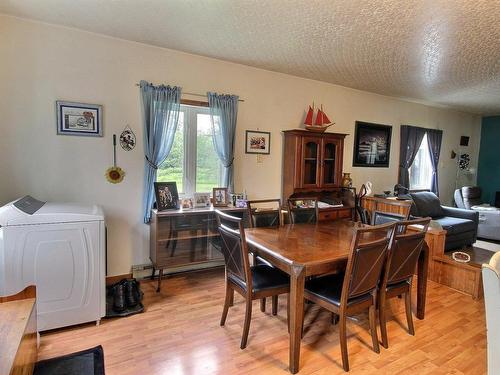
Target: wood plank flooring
{"points": [[180, 334]]}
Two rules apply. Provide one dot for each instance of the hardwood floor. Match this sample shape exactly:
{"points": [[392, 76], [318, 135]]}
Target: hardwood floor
{"points": [[180, 334]]}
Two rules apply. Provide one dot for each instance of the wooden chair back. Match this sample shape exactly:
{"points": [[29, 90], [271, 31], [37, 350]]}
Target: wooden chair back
{"points": [[380, 217], [303, 210], [366, 260], [364, 215], [234, 248], [264, 216], [403, 254]]}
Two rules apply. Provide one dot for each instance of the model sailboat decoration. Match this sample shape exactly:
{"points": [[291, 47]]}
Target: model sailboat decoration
{"points": [[320, 124]]}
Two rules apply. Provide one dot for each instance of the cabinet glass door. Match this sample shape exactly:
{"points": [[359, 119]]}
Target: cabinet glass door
{"points": [[329, 174], [311, 159]]}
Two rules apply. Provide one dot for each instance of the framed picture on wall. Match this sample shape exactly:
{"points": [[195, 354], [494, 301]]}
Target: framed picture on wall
{"points": [[166, 195], [372, 145], [257, 142], [79, 119]]}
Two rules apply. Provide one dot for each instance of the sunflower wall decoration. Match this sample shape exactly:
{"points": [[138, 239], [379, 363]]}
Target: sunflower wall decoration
{"points": [[114, 174]]}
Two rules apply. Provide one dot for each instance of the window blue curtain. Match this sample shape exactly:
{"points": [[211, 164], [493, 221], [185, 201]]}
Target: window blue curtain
{"points": [[223, 114], [434, 138], [160, 111]]}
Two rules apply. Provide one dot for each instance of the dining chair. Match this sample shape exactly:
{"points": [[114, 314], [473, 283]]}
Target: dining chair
{"points": [[253, 282], [379, 217], [364, 215], [355, 289], [400, 265], [303, 210], [264, 213]]}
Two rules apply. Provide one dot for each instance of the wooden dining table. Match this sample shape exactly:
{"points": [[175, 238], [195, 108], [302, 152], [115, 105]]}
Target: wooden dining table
{"points": [[303, 250]]}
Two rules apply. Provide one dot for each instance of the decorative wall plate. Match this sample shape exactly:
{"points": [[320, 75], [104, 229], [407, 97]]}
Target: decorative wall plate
{"points": [[127, 139], [464, 161]]}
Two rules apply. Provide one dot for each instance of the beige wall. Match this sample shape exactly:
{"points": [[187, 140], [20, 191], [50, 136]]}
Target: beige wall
{"points": [[41, 63]]}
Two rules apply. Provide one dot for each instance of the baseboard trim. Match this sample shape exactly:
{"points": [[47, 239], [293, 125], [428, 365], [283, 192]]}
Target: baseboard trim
{"points": [[114, 279]]}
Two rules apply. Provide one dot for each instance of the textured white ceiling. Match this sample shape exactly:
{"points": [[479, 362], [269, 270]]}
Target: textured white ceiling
{"points": [[445, 52]]}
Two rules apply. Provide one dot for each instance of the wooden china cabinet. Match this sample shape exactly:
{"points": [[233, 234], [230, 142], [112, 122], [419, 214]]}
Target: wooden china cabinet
{"points": [[312, 167]]}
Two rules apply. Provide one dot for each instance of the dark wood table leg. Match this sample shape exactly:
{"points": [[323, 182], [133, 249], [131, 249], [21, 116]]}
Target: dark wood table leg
{"points": [[423, 265], [297, 277], [160, 275]]}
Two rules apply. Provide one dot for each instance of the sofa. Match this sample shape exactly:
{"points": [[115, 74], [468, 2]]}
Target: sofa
{"points": [[460, 224], [469, 198]]}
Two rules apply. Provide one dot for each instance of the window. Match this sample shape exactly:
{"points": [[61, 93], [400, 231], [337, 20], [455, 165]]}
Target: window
{"points": [[192, 162], [421, 169]]}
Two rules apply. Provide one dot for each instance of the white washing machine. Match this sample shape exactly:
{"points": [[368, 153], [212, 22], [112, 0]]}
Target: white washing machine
{"points": [[60, 248]]}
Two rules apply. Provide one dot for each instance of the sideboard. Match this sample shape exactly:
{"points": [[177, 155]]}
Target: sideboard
{"points": [[186, 239]]}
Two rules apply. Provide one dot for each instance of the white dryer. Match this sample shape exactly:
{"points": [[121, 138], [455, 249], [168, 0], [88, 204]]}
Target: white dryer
{"points": [[60, 248]]}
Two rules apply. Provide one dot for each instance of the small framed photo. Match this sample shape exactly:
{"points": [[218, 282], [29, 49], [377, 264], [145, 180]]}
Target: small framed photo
{"points": [[372, 145], [187, 203], [257, 142], [220, 197], [201, 200], [79, 119], [166, 195]]}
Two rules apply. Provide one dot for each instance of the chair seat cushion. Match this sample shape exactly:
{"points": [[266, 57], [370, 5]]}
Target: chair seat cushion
{"points": [[259, 261], [329, 288], [456, 225], [397, 285], [264, 277], [267, 277]]}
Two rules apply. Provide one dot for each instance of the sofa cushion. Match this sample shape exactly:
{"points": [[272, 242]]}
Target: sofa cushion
{"points": [[427, 204], [454, 225], [471, 196]]}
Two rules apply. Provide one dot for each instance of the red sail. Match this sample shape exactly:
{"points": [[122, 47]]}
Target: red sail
{"points": [[326, 120], [309, 117], [319, 118]]}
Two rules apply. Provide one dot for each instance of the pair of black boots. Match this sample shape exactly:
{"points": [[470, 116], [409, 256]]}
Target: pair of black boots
{"points": [[126, 294]]}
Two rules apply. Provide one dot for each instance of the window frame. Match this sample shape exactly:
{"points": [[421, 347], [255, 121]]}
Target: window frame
{"points": [[425, 146], [190, 110]]}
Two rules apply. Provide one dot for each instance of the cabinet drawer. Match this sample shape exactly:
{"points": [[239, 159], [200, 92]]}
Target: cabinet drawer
{"points": [[328, 215], [344, 214]]}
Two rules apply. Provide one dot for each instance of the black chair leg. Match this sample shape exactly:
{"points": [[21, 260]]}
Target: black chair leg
{"points": [[275, 305], [335, 318]]}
